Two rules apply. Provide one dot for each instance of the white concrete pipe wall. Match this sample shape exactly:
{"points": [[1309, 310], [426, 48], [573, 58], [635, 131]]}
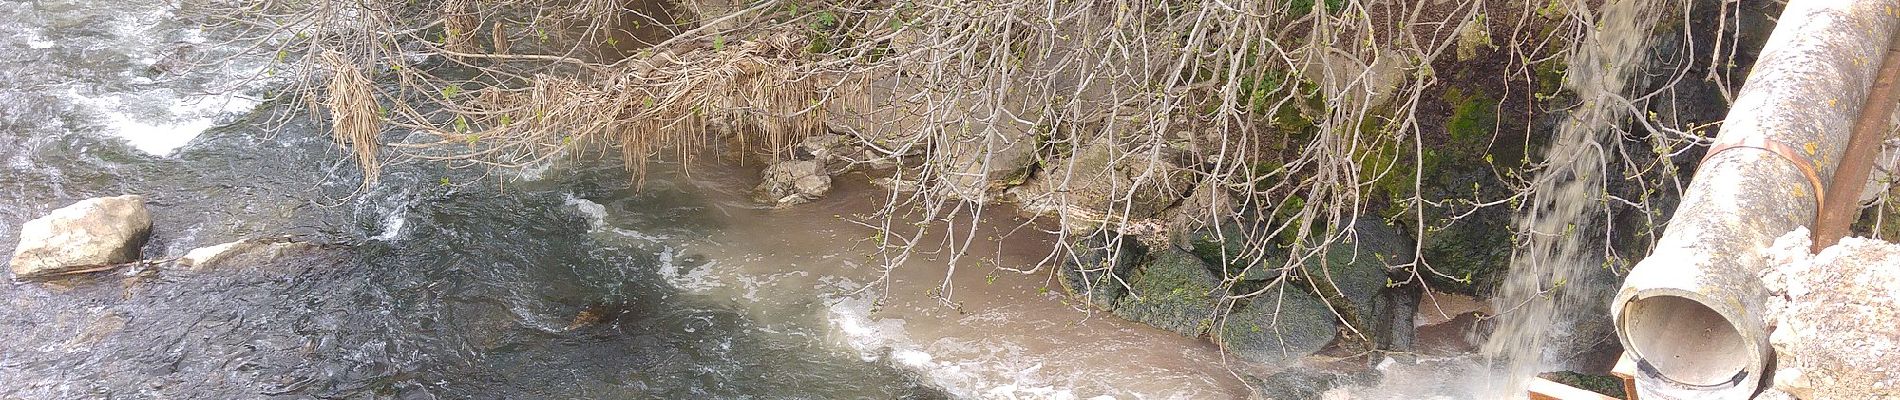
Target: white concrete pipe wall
{"points": [[1690, 314]]}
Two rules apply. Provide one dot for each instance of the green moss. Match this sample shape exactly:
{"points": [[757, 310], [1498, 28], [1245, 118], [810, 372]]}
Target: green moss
{"points": [[1384, 161], [1172, 290], [1550, 78], [1297, 8], [1269, 94], [1472, 37], [1603, 384], [1473, 121], [1554, 10]]}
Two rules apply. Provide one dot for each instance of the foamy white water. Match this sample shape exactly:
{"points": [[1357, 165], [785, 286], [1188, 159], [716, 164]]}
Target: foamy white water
{"points": [[139, 73], [159, 121]]}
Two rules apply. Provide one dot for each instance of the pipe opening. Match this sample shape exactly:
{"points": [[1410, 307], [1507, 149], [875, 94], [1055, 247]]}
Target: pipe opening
{"points": [[1685, 341]]}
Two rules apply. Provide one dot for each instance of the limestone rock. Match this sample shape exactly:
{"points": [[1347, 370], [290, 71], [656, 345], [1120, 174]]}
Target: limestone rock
{"points": [[793, 182], [242, 251], [824, 147], [1833, 316], [1172, 291], [1278, 327], [1102, 183], [87, 236], [985, 159]]}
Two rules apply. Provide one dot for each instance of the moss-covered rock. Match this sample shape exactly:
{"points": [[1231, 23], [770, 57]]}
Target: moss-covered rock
{"points": [[1229, 252], [1278, 327], [1093, 274], [1474, 119], [1305, 383], [1173, 290], [1355, 268], [1601, 384], [1471, 254]]}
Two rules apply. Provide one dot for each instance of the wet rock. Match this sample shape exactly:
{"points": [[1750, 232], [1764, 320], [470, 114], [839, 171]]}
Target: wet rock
{"points": [[1444, 323], [595, 314], [824, 147], [1303, 384], [1606, 385], [1355, 267], [249, 251], [1096, 269], [1222, 245], [1833, 316], [986, 159], [793, 182], [1172, 291], [90, 235], [1103, 183], [1278, 327], [1393, 328]]}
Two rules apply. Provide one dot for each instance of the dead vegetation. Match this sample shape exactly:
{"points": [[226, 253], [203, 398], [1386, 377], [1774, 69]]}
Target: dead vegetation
{"points": [[1288, 119]]}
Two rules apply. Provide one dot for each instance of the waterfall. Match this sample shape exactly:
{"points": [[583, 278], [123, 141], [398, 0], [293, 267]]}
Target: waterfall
{"points": [[1557, 283]]}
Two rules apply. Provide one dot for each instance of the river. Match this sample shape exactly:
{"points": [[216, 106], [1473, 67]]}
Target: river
{"points": [[447, 283]]}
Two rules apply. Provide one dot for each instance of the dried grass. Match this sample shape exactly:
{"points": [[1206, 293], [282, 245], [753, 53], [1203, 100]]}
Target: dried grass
{"points": [[352, 108]]}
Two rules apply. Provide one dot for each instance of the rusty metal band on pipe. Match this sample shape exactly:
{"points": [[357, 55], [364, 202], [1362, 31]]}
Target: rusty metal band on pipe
{"points": [[1690, 315], [1780, 149]]}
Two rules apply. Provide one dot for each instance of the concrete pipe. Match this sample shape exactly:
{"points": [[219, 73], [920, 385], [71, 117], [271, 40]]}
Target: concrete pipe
{"points": [[1690, 314]]}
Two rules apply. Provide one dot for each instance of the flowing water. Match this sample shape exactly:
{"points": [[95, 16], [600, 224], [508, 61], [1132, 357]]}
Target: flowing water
{"points": [[442, 283], [1556, 298]]}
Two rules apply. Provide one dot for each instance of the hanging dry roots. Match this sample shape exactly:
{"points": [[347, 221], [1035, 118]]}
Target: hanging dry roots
{"points": [[352, 108], [459, 24]]}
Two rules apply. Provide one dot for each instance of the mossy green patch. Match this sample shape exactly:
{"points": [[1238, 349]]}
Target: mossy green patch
{"points": [[1550, 79], [1473, 121], [1172, 290], [1297, 8], [1602, 384]]}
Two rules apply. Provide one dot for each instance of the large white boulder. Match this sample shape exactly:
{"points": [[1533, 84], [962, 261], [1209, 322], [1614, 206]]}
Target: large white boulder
{"points": [[90, 235]]}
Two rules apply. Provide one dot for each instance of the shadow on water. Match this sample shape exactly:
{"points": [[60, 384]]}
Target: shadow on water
{"points": [[463, 290], [439, 283]]}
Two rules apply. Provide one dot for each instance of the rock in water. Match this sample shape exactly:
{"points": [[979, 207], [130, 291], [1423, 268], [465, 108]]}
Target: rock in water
{"points": [[1103, 183], [1174, 291], [594, 314], [1833, 316], [1304, 384], [793, 182], [242, 251], [1093, 273], [1353, 273], [1277, 327], [90, 235]]}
